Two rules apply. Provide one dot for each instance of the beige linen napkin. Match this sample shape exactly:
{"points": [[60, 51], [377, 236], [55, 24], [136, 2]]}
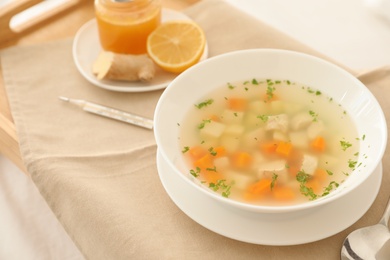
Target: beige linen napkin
{"points": [[99, 176]]}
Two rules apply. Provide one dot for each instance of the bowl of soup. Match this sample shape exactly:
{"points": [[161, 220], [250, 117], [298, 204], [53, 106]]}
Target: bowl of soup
{"points": [[269, 131]]}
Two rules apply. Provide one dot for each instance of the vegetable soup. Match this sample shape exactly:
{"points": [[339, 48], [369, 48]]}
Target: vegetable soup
{"points": [[269, 142]]}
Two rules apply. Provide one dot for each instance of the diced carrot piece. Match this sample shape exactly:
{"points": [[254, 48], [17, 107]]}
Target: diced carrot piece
{"points": [[318, 144], [241, 160], [212, 176], [284, 148], [258, 189], [219, 151], [314, 184], [269, 147], [260, 186], [320, 174], [283, 193], [237, 104], [204, 162], [296, 156], [214, 118], [197, 152], [251, 196], [293, 170]]}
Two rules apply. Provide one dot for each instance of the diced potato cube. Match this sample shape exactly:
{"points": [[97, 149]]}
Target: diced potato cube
{"points": [[232, 117], [277, 122], [241, 180], [277, 107], [252, 138], [252, 120], [280, 136], [259, 107], [299, 139], [315, 129], [258, 159], [234, 130], [293, 108], [301, 121], [230, 143], [222, 163], [276, 166], [212, 130], [309, 164]]}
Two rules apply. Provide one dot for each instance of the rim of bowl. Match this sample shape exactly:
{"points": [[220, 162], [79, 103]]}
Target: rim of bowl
{"points": [[279, 208]]}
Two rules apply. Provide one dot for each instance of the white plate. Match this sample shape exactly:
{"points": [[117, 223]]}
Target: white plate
{"points": [[263, 229], [86, 48]]}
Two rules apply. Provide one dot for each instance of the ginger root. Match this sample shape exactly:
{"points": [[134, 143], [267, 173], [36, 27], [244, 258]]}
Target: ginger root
{"points": [[127, 67]]}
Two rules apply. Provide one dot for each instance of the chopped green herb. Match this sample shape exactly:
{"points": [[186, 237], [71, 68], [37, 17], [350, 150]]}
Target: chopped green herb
{"points": [[345, 145], [214, 169], [204, 122], [185, 149], [270, 91], [204, 103], [314, 115], [196, 172], [310, 90], [329, 188], [246, 82], [277, 81], [221, 184], [226, 193], [274, 178], [263, 118], [255, 82], [288, 82], [230, 86], [212, 151], [302, 177], [329, 172], [352, 164], [308, 192]]}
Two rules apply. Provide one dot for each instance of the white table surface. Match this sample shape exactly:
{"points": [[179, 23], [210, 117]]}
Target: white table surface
{"points": [[348, 31]]}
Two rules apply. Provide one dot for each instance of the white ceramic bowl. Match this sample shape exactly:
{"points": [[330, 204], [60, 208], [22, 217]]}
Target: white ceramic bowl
{"points": [[196, 82]]}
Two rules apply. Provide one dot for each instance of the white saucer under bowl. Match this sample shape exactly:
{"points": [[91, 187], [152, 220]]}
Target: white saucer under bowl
{"points": [[86, 48], [265, 228]]}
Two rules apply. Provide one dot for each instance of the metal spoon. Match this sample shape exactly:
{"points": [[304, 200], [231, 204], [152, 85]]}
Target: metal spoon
{"points": [[365, 243]]}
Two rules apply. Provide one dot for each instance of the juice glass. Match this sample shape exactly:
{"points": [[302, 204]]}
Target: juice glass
{"points": [[124, 25]]}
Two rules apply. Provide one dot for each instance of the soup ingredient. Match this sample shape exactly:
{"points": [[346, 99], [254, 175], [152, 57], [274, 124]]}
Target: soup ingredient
{"points": [[176, 45], [127, 67], [269, 142]]}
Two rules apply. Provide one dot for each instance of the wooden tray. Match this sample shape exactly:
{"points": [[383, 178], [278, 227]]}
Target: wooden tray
{"points": [[33, 17]]}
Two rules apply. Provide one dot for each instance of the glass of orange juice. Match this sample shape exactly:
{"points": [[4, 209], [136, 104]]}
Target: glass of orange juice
{"points": [[124, 25]]}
